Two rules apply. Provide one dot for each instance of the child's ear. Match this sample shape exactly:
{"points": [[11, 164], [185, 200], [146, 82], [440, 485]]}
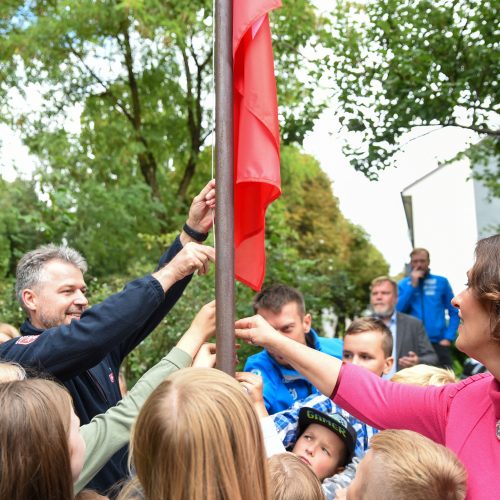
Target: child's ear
{"points": [[389, 362]]}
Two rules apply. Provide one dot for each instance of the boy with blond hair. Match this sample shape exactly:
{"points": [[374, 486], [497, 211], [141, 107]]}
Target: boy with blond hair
{"points": [[292, 479], [403, 464]]}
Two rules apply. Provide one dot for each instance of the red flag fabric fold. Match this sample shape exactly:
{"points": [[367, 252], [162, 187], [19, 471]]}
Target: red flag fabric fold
{"points": [[256, 136]]}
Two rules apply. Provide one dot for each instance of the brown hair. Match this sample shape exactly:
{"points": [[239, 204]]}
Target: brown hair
{"points": [[367, 324], [292, 479], [198, 437], [484, 279], [90, 495], [34, 453], [275, 297], [408, 465], [383, 279], [420, 250]]}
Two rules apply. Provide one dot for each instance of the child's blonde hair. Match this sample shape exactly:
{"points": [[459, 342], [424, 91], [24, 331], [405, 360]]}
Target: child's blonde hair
{"points": [[198, 437], [292, 479], [406, 464], [424, 375], [10, 371]]}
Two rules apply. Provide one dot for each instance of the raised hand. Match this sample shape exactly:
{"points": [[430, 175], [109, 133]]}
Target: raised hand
{"points": [[416, 275], [201, 329], [200, 213], [256, 330], [205, 357], [204, 321], [193, 257], [254, 385]]}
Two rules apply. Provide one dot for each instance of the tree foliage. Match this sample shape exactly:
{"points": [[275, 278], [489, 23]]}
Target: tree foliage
{"points": [[120, 134], [139, 75], [309, 245], [401, 64]]}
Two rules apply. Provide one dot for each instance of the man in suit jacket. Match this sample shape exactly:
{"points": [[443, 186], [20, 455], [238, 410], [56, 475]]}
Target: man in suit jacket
{"points": [[411, 343]]}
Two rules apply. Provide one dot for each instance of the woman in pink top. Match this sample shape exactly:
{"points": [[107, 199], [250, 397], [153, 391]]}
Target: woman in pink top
{"points": [[465, 416]]}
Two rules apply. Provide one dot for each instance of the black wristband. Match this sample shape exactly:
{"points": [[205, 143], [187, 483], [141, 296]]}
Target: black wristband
{"points": [[196, 235]]}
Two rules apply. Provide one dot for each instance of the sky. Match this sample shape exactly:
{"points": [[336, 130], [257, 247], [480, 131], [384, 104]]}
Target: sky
{"points": [[376, 205], [13, 153]]}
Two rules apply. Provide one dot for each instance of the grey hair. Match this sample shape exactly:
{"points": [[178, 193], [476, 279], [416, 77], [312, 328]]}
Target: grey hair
{"points": [[29, 271]]}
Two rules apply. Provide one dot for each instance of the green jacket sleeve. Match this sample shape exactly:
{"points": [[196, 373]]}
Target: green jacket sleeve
{"points": [[107, 433]]}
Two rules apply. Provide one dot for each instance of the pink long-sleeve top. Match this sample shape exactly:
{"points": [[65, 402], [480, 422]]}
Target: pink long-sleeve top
{"points": [[461, 416]]}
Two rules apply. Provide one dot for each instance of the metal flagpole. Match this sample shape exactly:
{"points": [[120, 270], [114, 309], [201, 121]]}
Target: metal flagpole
{"points": [[224, 217]]}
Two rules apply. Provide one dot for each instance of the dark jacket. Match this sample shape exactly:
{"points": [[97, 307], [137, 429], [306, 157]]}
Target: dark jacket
{"points": [[411, 336], [86, 354]]}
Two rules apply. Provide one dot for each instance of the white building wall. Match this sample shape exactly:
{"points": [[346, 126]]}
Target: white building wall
{"points": [[487, 210], [444, 220]]}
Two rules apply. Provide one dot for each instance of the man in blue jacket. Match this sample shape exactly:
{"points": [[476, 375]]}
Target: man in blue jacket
{"points": [[427, 296], [84, 347], [284, 309]]}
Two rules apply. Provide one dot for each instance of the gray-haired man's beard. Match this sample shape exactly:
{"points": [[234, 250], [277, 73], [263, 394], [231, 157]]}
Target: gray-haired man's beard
{"points": [[52, 320], [49, 321], [382, 313]]}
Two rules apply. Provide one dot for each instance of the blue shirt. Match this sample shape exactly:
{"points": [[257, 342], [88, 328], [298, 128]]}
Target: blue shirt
{"points": [[428, 302], [283, 385]]}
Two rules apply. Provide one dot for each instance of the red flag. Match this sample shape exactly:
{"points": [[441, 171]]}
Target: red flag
{"points": [[256, 136]]}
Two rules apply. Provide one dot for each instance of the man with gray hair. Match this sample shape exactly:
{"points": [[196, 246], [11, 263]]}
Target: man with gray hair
{"points": [[411, 345], [84, 347], [42, 266]]}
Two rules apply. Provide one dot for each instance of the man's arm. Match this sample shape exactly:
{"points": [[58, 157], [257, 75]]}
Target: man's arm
{"points": [[200, 220]]}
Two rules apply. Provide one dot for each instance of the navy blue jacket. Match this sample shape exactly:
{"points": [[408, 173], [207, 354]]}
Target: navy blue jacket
{"points": [[86, 354]]}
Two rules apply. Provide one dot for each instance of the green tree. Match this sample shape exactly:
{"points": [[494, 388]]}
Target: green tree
{"points": [[22, 222], [139, 74], [309, 245], [333, 260], [401, 64]]}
